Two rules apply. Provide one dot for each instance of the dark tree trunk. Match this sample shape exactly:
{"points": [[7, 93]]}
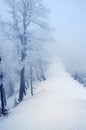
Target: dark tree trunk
{"points": [[4, 96], [22, 91], [41, 72], [2, 99], [31, 79]]}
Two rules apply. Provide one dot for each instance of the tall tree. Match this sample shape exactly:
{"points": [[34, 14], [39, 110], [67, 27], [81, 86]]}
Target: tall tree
{"points": [[27, 16], [2, 92]]}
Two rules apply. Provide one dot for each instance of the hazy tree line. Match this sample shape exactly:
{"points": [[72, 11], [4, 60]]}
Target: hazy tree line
{"points": [[23, 37]]}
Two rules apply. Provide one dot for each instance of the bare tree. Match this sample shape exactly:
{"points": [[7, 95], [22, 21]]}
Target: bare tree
{"points": [[25, 17], [2, 92]]}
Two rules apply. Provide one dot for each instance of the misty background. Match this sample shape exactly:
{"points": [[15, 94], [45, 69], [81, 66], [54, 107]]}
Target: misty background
{"points": [[68, 18]]}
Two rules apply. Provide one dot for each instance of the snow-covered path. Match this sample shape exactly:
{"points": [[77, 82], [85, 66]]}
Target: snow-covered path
{"points": [[61, 105]]}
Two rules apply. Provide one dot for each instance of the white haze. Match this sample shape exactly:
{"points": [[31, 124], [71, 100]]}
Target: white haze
{"points": [[69, 21]]}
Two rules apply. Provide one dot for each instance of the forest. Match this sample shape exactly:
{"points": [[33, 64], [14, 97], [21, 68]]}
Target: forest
{"points": [[24, 58]]}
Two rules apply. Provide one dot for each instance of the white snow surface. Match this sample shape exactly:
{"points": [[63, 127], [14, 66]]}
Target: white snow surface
{"points": [[58, 104]]}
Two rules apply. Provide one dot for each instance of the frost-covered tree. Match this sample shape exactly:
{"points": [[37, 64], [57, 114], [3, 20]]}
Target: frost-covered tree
{"points": [[8, 55], [27, 19], [2, 91]]}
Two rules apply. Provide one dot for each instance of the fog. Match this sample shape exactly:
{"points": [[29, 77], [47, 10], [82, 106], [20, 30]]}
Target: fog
{"points": [[68, 18]]}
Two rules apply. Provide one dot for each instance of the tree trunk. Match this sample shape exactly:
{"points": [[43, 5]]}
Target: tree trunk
{"points": [[22, 91], [4, 96], [41, 71], [31, 79], [2, 100]]}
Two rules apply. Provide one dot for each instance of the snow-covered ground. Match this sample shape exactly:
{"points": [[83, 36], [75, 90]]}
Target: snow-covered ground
{"points": [[60, 104]]}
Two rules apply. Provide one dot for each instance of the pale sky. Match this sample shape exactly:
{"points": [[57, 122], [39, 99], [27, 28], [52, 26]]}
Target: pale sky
{"points": [[69, 19]]}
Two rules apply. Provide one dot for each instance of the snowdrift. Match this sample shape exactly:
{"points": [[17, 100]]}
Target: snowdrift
{"points": [[58, 104]]}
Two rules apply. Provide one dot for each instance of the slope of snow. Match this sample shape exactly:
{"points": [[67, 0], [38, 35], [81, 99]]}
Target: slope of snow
{"points": [[60, 105]]}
